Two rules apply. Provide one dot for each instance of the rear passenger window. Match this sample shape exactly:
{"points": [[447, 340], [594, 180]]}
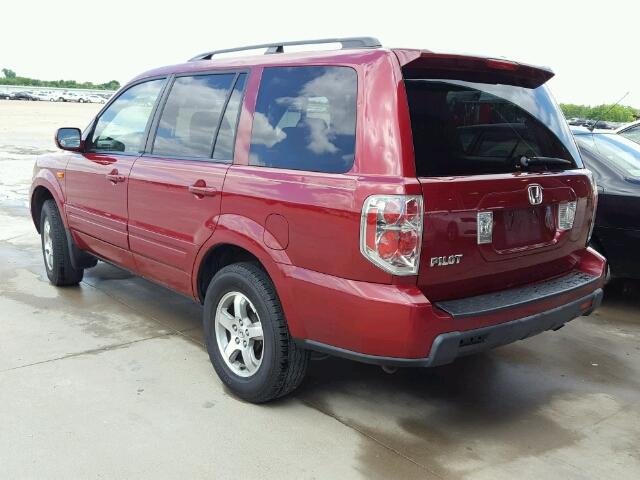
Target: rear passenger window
{"points": [[227, 133], [191, 115], [305, 119]]}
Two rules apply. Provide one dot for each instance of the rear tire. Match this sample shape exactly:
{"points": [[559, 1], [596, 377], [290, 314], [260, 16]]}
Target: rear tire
{"points": [[279, 365], [55, 249]]}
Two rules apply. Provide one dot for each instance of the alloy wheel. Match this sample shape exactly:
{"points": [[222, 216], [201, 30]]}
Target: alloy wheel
{"points": [[47, 244], [239, 334]]}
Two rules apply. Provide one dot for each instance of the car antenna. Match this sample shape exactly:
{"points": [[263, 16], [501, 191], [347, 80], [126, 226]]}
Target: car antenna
{"points": [[593, 127]]}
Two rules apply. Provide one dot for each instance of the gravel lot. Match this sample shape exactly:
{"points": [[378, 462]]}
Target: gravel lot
{"points": [[111, 380]]}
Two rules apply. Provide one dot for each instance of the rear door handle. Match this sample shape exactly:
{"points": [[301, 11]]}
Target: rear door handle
{"points": [[203, 191], [115, 177]]}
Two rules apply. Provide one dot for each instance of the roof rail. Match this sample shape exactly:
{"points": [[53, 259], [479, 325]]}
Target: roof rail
{"points": [[350, 42]]}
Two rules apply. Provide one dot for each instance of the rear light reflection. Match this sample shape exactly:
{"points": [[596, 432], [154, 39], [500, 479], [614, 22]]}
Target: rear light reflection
{"points": [[586, 305], [594, 196], [485, 227], [566, 215]]}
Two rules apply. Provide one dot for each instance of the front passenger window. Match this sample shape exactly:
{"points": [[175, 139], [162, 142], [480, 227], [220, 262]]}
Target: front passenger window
{"points": [[122, 126], [190, 117]]}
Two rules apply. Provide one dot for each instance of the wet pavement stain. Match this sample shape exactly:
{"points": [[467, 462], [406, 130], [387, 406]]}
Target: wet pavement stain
{"points": [[106, 272], [441, 418], [620, 307]]}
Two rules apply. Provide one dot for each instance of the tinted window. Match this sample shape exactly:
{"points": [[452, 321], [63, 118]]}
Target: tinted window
{"points": [[632, 133], [463, 128], [305, 119], [618, 152], [227, 132], [191, 115], [122, 126]]}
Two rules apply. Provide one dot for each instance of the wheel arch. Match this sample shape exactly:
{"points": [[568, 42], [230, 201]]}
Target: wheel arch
{"points": [[41, 191], [218, 257], [239, 238]]}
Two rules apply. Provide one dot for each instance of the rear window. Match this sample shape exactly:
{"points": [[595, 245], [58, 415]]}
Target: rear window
{"points": [[305, 119], [632, 133], [463, 128]]}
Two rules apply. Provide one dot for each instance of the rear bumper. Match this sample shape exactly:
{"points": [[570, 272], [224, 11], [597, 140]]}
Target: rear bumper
{"points": [[451, 345], [397, 325]]}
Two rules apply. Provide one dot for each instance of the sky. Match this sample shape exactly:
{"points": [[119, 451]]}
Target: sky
{"points": [[592, 46]]}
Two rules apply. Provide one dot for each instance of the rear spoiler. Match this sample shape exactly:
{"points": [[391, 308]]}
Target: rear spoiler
{"points": [[418, 64]]}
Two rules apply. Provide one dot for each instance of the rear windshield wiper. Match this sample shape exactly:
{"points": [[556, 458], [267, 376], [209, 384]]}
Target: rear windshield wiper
{"points": [[527, 162]]}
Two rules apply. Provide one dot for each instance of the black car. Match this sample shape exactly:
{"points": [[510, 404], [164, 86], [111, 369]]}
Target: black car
{"points": [[6, 96], [615, 163], [24, 96]]}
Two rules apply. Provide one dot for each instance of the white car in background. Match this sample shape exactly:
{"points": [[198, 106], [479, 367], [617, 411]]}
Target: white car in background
{"points": [[73, 97], [68, 97], [96, 99], [44, 95]]}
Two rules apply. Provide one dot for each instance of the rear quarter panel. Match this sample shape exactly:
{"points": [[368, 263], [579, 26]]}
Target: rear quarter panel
{"points": [[323, 210]]}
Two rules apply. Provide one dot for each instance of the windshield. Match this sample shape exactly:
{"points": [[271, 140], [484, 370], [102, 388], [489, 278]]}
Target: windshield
{"points": [[620, 152], [464, 128]]}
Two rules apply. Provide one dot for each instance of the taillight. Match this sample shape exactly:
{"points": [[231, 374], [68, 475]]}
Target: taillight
{"points": [[594, 193], [566, 215], [391, 232]]}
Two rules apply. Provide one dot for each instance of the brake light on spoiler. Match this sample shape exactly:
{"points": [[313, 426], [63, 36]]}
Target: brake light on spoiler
{"points": [[500, 64], [426, 64]]}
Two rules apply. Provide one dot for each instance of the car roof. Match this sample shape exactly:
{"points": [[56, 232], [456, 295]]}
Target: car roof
{"points": [[580, 130], [344, 57]]}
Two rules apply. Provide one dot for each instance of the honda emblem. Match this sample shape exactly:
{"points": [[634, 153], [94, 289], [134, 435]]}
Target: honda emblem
{"points": [[535, 194]]}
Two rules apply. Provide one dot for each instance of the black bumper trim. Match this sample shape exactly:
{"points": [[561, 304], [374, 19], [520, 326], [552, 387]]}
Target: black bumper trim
{"points": [[449, 346], [489, 303]]}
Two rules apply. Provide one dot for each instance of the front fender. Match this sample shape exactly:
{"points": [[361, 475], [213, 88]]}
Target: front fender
{"points": [[44, 178], [245, 233]]}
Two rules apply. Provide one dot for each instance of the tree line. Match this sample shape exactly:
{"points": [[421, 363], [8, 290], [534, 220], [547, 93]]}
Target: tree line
{"points": [[11, 78], [605, 112]]}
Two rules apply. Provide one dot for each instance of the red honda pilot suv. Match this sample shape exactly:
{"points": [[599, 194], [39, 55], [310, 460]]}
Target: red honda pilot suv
{"points": [[398, 207]]}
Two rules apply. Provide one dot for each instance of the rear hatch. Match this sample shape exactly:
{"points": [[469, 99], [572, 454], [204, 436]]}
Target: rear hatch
{"points": [[506, 200]]}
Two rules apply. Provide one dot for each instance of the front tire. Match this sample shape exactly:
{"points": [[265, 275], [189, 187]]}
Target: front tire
{"points": [[247, 336], [55, 249]]}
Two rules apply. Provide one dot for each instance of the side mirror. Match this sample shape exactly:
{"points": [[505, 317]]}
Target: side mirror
{"points": [[69, 139]]}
